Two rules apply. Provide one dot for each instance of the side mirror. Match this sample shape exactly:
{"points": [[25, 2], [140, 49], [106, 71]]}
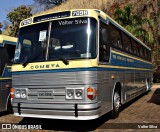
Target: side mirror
{"points": [[104, 36]]}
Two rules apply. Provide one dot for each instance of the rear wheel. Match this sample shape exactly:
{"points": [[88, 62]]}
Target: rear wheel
{"points": [[148, 86], [116, 104]]}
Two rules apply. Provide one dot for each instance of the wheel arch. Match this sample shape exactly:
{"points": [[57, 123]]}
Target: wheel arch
{"points": [[7, 101]]}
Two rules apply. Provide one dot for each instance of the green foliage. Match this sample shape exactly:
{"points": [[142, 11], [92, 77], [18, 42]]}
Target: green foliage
{"points": [[135, 24], [156, 77], [1, 25], [16, 16]]}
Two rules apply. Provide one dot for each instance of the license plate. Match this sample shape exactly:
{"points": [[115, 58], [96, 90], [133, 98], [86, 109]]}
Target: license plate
{"points": [[45, 94]]}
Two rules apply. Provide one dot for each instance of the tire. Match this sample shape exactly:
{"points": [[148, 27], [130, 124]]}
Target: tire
{"points": [[116, 104], [148, 86]]}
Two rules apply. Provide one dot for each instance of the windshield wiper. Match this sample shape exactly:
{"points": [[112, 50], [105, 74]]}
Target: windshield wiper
{"points": [[65, 61], [28, 60], [25, 64]]}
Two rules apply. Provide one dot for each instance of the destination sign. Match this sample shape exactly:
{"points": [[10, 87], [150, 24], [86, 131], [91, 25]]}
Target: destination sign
{"points": [[80, 13], [72, 22], [52, 16]]}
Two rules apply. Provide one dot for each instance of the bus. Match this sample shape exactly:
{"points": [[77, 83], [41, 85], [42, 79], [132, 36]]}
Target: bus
{"points": [[77, 65], [7, 50]]}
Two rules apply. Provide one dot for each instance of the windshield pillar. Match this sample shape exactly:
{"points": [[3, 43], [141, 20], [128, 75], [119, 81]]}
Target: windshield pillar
{"points": [[48, 40], [88, 35]]}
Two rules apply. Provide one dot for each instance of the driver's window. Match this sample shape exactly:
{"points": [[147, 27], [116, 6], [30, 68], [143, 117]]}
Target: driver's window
{"points": [[115, 37], [104, 48]]}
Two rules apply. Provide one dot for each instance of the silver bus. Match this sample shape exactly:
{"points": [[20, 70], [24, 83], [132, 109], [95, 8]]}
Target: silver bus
{"points": [[77, 64], [7, 50]]}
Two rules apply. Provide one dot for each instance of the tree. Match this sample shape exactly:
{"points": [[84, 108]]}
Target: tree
{"points": [[134, 24], [49, 3], [16, 16], [1, 25], [6, 24]]}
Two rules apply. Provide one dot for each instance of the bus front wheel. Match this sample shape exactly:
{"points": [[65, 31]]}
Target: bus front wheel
{"points": [[116, 104]]}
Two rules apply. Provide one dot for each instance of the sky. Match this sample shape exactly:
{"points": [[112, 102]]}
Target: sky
{"points": [[7, 5]]}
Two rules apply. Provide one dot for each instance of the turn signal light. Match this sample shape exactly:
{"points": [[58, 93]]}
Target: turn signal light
{"points": [[113, 77], [91, 93], [12, 93]]}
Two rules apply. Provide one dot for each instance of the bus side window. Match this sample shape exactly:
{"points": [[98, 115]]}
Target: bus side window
{"points": [[134, 47], [4, 58], [126, 42], [149, 56], [104, 48], [145, 53], [104, 57], [115, 37], [141, 51], [10, 51], [138, 49]]}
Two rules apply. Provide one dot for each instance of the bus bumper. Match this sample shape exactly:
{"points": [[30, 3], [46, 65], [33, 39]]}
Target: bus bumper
{"points": [[58, 111]]}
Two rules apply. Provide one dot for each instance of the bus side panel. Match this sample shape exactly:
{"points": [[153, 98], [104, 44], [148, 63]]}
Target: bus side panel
{"points": [[106, 88], [1, 101], [133, 83], [104, 91], [129, 84], [138, 85], [4, 93]]}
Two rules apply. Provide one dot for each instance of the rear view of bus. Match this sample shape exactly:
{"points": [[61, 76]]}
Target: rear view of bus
{"points": [[7, 50], [60, 71]]}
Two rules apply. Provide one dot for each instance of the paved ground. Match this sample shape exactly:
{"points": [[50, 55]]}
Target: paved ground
{"points": [[142, 112]]}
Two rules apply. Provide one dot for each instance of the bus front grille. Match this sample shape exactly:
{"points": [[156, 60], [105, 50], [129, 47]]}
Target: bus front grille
{"points": [[57, 94]]}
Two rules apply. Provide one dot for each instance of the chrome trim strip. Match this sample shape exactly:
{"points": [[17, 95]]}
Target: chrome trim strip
{"points": [[59, 117]]}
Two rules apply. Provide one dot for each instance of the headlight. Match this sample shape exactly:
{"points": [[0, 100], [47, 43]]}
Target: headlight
{"points": [[74, 93], [78, 93], [17, 94], [23, 94], [69, 93], [20, 93]]}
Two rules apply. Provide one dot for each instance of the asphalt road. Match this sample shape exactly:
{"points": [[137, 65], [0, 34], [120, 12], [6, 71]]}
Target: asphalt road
{"points": [[142, 113]]}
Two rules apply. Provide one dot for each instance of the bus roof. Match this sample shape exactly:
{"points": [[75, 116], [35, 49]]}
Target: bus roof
{"points": [[4, 39], [69, 14]]}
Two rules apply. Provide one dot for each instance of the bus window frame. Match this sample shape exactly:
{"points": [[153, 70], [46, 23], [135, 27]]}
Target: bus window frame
{"points": [[112, 26], [108, 45], [133, 43], [124, 36]]}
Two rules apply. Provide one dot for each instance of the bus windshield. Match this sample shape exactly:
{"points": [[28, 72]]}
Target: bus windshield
{"points": [[68, 39]]}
